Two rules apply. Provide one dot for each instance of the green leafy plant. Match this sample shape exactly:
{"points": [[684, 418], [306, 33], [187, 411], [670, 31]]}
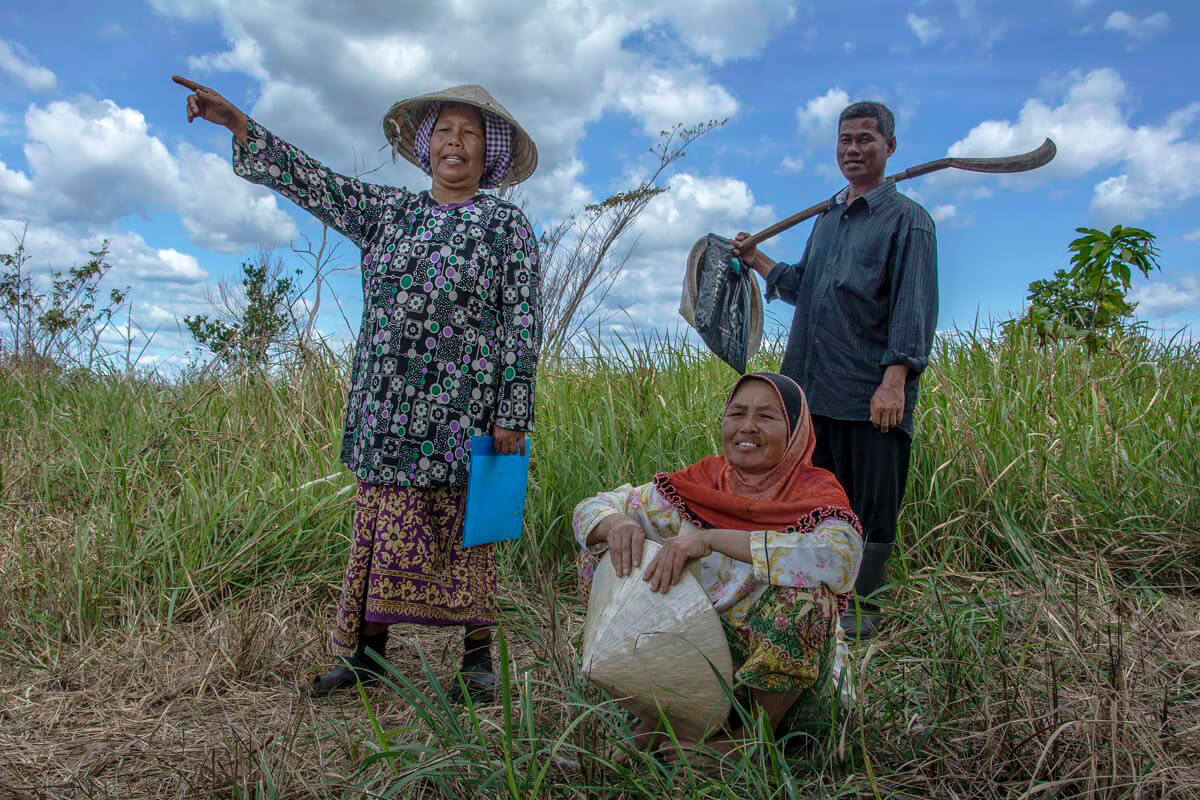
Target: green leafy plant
{"points": [[1089, 301], [61, 326], [255, 320]]}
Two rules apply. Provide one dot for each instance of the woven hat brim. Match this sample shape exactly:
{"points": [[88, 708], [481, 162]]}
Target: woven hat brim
{"points": [[403, 118]]}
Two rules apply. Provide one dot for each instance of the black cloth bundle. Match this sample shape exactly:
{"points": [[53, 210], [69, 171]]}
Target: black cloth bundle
{"points": [[721, 301]]}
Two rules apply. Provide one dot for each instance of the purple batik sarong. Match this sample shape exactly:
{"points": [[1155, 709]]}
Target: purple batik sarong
{"points": [[407, 563]]}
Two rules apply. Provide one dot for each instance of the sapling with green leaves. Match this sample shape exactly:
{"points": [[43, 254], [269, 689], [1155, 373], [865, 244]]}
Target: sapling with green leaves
{"points": [[261, 318], [1089, 301], [60, 320]]}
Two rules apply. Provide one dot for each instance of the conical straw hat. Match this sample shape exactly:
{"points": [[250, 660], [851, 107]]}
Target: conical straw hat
{"points": [[403, 118], [652, 651]]}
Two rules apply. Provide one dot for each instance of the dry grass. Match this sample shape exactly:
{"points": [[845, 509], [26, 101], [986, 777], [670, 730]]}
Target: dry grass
{"points": [[1024, 692], [200, 709], [1049, 698]]}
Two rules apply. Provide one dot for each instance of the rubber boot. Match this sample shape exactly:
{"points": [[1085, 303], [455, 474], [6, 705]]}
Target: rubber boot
{"points": [[365, 666], [863, 622], [476, 672]]}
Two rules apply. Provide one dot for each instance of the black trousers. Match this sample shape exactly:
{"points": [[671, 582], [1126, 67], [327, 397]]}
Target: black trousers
{"points": [[871, 466]]}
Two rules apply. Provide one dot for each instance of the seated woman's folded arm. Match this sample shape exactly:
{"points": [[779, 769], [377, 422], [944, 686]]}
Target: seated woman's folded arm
{"points": [[828, 554], [626, 502], [589, 513]]}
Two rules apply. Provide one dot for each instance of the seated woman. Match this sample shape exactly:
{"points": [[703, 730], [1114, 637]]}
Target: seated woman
{"points": [[778, 546]]}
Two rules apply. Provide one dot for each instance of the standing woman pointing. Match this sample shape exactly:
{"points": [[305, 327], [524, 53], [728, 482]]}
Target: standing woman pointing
{"points": [[447, 349]]}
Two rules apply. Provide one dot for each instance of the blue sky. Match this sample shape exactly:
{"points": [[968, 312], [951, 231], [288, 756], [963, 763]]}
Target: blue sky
{"points": [[94, 143]]}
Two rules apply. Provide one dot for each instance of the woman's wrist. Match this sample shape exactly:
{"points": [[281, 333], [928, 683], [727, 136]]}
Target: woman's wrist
{"points": [[598, 535], [240, 128], [732, 543]]}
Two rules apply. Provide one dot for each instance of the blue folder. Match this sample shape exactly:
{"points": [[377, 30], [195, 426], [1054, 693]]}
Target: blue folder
{"points": [[495, 493]]}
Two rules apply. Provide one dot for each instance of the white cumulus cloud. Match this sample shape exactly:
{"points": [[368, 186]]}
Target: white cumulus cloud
{"points": [[949, 215], [944, 213], [1193, 236], [223, 212], [1161, 168], [925, 28], [791, 164], [135, 263], [660, 100], [1152, 164], [92, 162], [1161, 299], [1138, 29], [705, 26], [817, 118], [16, 61], [242, 56], [557, 65]]}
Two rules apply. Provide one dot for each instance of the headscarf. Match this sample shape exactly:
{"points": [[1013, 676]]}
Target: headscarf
{"points": [[497, 145], [792, 495]]}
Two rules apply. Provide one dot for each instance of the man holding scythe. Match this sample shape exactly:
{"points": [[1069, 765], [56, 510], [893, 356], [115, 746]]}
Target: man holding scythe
{"points": [[865, 293]]}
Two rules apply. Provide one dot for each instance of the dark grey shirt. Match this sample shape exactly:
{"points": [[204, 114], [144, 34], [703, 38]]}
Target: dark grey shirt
{"points": [[866, 297]]}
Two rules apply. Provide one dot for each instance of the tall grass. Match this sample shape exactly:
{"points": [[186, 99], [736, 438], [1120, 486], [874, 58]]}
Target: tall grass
{"points": [[1044, 611]]}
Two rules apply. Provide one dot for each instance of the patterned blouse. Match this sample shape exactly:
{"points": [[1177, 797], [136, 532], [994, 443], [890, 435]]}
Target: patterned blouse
{"points": [[449, 337], [829, 554]]}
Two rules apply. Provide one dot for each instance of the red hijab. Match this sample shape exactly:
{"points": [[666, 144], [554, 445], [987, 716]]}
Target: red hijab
{"points": [[792, 495]]}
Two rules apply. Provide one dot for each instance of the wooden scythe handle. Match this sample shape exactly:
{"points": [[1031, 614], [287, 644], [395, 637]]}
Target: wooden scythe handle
{"points": [[1021, 163]]}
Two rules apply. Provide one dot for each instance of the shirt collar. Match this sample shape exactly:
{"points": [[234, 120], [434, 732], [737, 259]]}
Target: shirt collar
{"points": [[877, 198]]}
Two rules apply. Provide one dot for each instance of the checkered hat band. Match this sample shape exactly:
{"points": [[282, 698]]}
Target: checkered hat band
{"points": [[497, 146]]}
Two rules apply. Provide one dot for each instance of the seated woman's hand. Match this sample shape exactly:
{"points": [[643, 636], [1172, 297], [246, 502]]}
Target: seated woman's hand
{"points": [[625, 542], [667, 567]]}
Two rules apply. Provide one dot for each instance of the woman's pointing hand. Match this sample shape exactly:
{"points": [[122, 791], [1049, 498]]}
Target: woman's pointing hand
{"points": [[209, 104]]}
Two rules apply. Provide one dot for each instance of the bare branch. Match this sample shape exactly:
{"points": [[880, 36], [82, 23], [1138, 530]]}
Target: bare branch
{"points": [[584, 253]]}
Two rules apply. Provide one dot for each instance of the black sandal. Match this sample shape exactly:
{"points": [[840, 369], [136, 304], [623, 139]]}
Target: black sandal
{"points": [[862, 624], [363, 667], [476, 673]]}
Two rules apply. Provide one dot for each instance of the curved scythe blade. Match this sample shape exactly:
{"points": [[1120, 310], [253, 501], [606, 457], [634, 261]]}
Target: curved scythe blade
{"points": [[1022, 163]]}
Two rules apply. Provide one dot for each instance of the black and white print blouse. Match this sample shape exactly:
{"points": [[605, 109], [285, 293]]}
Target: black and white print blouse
{"points": [[450, 329]]}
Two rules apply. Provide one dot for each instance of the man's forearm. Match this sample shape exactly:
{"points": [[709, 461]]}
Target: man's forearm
{"points": [[895, 375], [762, 264]]}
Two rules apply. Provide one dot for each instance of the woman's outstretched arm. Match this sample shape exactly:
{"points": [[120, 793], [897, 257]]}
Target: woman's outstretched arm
{"points": [[346, 204]]}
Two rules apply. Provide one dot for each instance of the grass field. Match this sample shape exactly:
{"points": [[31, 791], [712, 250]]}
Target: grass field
{"points": [[169, 569]]}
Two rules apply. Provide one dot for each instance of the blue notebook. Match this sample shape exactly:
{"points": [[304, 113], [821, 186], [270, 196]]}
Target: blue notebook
{"points": [[495, 494]]}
